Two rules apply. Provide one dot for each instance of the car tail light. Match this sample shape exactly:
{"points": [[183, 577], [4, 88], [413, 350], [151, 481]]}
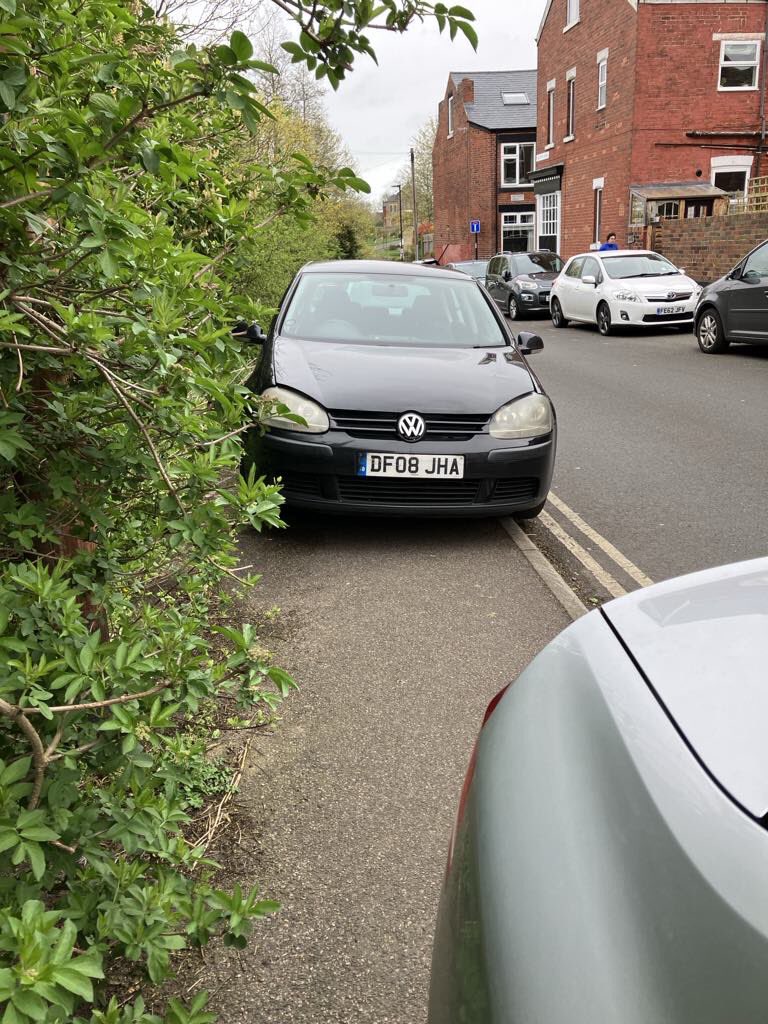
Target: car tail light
{"points": [[470, 774]]}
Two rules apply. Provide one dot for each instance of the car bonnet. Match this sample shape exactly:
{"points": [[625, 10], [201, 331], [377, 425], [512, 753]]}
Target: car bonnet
{"points": [[383, 378], [702, 644]]}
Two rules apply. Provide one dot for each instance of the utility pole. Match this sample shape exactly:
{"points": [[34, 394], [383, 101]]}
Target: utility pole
{"points": [[400, 200], [415, 218]]}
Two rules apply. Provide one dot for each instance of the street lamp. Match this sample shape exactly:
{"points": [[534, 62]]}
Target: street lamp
{"points": [[400, 201]]}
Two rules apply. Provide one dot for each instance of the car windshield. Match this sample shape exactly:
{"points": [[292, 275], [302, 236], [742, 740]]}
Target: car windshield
{"points": [[475, 268], [391, 309], [644, 264], [538, 263]]}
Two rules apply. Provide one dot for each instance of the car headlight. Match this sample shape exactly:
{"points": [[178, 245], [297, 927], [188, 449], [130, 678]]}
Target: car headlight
{"points": [[626, 297], [316, 417], [530, 286], [530, 416]]}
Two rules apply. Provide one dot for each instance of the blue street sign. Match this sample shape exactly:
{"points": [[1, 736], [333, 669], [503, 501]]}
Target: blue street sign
{"points": [[474, 227]]}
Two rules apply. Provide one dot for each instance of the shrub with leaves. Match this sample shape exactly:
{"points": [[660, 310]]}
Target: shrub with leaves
{"points": [[125, 218]]}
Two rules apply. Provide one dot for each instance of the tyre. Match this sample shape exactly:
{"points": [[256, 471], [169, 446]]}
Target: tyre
{"points": [[556, 312], [604, 324], [513, 308], [710, 334], [529, 513]]}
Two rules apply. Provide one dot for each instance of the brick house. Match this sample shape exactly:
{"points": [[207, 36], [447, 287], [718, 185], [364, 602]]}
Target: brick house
{"points": [[482, 159], [647, 109]]}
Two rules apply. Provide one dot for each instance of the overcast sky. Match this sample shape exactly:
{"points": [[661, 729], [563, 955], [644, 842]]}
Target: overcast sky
{"points": [[379, 109]]}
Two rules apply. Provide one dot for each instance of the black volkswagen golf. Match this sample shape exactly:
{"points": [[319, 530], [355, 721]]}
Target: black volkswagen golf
{"points": [[414, 398]]}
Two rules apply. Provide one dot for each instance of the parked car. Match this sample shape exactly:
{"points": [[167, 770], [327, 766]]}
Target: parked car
{"points": [[475, 268], [519, 282], [735, 308], [610, 856], [414, 396], [623, 288]]}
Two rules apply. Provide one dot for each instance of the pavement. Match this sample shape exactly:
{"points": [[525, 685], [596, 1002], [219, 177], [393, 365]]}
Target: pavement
{"points": [[399, 633]]}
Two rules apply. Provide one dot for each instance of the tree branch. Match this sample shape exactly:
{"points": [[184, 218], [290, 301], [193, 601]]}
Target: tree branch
{"points": [[18, 716], [125, 698]]}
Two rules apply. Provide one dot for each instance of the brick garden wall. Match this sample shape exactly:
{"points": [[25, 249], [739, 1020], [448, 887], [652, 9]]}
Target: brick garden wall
{"points": [[709, 247]]}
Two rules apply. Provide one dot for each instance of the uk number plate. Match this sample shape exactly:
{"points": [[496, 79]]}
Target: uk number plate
{"points": [[424, 467], [669, 310]]}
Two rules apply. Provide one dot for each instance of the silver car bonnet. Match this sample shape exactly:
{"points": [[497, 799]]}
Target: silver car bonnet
{"points": [[702, 644]]}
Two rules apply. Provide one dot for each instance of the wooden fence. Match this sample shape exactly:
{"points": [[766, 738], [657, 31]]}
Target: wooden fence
{"points": [[756, 200]]}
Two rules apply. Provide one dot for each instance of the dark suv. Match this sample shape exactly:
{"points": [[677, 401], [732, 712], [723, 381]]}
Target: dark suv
{"points": [[735, 308], [519, 282]]}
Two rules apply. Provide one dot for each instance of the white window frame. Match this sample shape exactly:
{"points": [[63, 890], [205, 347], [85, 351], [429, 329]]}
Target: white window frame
{"points": [[571, 14], [570, 105], [602, 82], [450, 117], [740, 64], [737, 162], [503, 153], [550, 114], [598, 184], [525, 220]]}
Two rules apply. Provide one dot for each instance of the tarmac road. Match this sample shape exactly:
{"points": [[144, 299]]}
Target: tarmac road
{"points": [[662, 449]]}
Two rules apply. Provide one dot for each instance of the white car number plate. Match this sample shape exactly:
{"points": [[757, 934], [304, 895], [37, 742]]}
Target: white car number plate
{"points": [[423, 467], [669, 310]]}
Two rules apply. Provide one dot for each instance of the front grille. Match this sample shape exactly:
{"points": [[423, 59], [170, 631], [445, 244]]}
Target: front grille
{"points": [[302, 485], [383, 425], [515, 489], [544, 298], [675, 297], [654, 318], [393, 491]]}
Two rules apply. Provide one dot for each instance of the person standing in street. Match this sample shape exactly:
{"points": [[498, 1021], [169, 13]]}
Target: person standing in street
{"points": [[610, 242]]}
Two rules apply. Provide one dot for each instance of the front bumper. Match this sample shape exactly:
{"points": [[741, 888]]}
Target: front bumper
{"points": [[500, 477], [646, 314], [535, 302]]}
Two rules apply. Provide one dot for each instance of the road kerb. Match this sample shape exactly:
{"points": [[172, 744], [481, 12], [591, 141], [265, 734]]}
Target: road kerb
{"points": [[545, 570]]}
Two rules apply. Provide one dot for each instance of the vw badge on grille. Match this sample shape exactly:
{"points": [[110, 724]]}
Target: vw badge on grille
{"points": [[411, 426]]}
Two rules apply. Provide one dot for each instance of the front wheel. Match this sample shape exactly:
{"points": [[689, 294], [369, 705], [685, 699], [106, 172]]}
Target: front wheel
{"points": [[604, 319], [710, 334], [556, 312], [529, 513], [513, 309]]}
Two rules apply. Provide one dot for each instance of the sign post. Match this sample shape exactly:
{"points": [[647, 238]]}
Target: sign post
{"points": [[474, 229]]}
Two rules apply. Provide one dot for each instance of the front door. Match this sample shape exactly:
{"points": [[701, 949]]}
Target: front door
{"points": [[748, 299], [548, 209], [585, 295]]}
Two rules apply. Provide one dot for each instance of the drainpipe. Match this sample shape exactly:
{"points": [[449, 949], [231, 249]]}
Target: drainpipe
{"points": [[761, 148]]}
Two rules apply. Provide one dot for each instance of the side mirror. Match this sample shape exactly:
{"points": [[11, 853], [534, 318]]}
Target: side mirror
{"points": [[507, 275], [528, 343], [250, 332], [752, 276], [590, 279], [681, 270]]}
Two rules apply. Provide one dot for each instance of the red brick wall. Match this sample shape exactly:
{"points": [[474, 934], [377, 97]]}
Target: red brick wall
{"points": [[709, 247], [601, 148], [676, 89]]}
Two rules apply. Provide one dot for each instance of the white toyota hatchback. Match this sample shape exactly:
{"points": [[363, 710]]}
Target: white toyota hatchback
{"points": [[623, 287]]}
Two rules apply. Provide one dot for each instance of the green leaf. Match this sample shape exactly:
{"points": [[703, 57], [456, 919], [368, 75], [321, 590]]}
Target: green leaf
{"points": [[36, 859], [226, 55], [469, 32], [9, 6], [7, 95], [108, 264], [73, 981], [8, 839], [15, 771], [241, 46], [30, 1002], [151, 159]]}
